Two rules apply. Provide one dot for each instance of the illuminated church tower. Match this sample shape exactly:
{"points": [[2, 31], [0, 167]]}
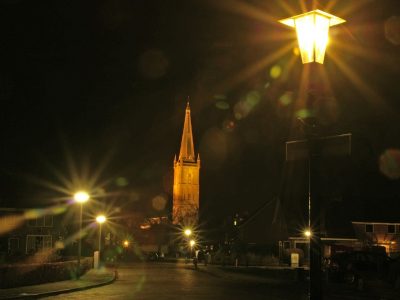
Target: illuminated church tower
{"points": [[185, 210]]}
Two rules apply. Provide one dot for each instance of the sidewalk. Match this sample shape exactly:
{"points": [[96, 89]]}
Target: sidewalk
{"points": [[92, 278]]}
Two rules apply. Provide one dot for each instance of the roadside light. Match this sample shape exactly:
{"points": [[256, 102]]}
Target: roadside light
{"points": [[312, 30], [188, 232], [81, 197], [101, 219], [126, 243], [307, 233], [192, 243]]}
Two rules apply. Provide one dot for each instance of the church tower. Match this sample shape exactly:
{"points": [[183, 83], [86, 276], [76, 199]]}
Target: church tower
{"points": [[185, 209]]}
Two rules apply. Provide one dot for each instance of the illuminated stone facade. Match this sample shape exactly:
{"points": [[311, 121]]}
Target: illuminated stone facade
{"points": [[185, 210]]}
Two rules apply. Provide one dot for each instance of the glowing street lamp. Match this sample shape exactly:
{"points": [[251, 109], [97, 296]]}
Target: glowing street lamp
{"points": [[80, 197], [188, 232], [192, 243], [126, 243], [100, 219], [312, 30], [307, 233]]}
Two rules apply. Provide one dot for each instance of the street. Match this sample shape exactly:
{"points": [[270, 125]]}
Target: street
{"points": [[180, 281]]}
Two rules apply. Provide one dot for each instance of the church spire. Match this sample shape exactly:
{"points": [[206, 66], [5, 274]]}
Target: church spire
{"points": [[187, 147]]}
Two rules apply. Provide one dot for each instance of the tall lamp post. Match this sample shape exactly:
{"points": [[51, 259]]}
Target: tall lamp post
{"points": [[80, 197], [188, 232], [312, 29], [100, 219], [192, 243]]}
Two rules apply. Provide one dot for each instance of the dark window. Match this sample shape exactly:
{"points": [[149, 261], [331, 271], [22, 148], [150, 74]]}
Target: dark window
{"points": [[391, 229], [369, 228]]}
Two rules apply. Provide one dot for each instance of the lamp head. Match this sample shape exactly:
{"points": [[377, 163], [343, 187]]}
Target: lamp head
{"points": [[312, 30], [101, 219], [81, 197]]}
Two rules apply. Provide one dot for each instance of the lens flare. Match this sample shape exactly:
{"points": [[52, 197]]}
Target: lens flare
{"points": [[275, 71], [159, 202], [222, 105], [121, 181], [392, 30], [389, 163]]}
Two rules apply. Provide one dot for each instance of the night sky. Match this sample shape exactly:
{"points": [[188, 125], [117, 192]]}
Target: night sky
{"points": [[100, 87]]}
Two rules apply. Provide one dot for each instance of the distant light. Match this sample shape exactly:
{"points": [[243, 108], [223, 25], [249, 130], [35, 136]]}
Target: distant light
{"points": [[192, 243], [234, 223], [145, 226], [126, 243], [312, 30], [81, 197], [188, 232], [307, 233], [101, 219]]}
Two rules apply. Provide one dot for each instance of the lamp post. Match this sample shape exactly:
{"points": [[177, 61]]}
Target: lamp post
{"points": [[312, 30], [100, 219], [192, 243], [188, 232], [80, 197]]}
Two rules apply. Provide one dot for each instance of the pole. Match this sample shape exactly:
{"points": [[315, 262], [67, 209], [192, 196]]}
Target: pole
{"points": [[99, 243], [315, 212], [80, 242]]}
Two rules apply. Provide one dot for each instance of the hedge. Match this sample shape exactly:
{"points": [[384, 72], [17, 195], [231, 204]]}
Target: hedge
{"points": [[14, 275]]}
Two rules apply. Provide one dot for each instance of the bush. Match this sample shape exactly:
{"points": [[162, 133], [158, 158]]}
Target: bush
{"points": [[14, 275]]}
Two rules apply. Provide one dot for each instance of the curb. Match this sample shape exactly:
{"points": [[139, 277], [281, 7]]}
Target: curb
{"points": [[64, 291]]}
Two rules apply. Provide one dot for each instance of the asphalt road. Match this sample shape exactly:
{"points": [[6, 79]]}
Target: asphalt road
{"points": [[179, 281]]}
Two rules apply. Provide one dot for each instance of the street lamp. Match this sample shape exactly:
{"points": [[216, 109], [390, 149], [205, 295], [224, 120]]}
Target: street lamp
{"points": [[307, 233], [188, 232], [100, 219], [80, 197], [192, 243], [312, 30]]}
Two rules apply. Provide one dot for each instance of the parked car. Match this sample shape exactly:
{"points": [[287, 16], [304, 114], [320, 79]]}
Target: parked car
{"points": [[352, 266]]}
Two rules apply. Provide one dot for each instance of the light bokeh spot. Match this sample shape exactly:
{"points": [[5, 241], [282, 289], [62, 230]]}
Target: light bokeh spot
{"points": [[389, 163], [159, 202], [286, 98], [222, 105], [121, 181], [392, 30], [153, 64], [304, 113], [275, 71]]}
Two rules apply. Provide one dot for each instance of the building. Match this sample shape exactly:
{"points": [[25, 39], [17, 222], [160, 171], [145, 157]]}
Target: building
{"points": [[185, 208], [31, 231], [379, 234]]}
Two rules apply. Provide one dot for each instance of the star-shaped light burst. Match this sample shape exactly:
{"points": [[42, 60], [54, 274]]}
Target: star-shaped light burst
{"points": [[312, 30]]}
